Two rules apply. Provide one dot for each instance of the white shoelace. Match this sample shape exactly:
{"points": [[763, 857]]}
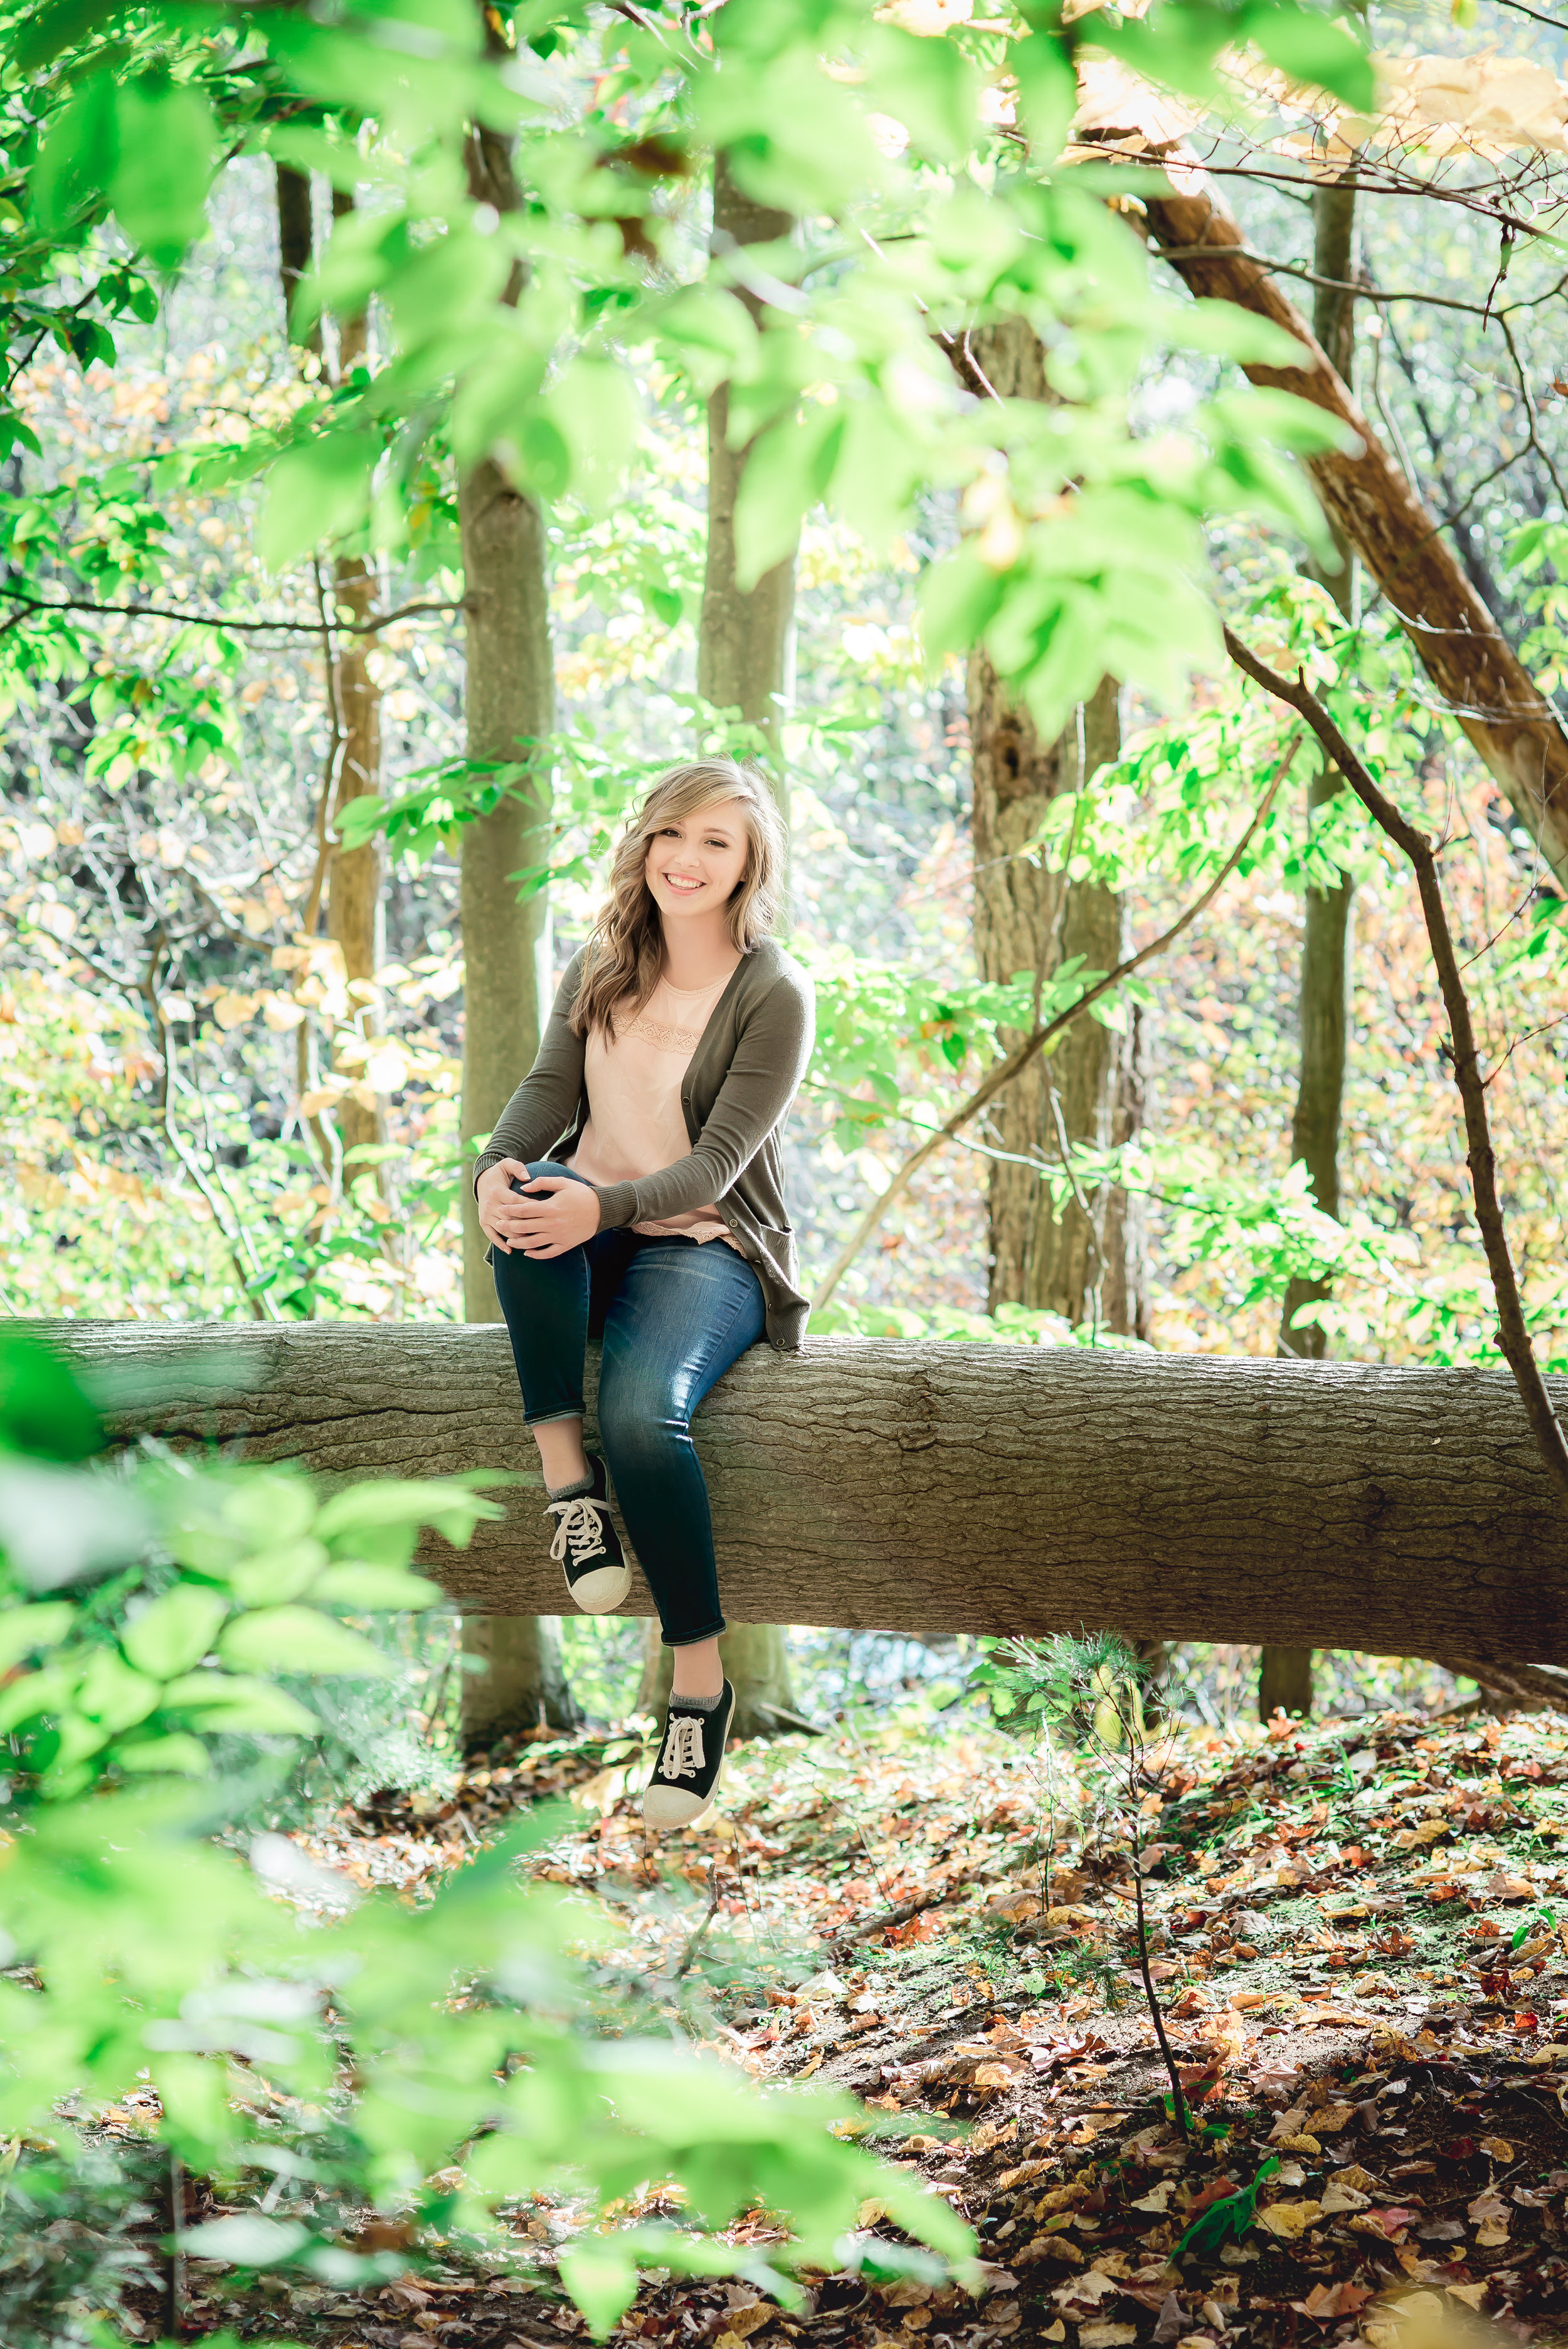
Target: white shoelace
{"points": [[683, 1755], [580, 1529]]}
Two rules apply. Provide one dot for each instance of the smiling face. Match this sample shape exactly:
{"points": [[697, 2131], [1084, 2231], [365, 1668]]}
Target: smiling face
{"points": [[695, 863]]}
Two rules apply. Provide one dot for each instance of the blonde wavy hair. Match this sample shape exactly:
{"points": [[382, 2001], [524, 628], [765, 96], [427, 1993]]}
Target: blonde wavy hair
{"points": [[625, 951]]}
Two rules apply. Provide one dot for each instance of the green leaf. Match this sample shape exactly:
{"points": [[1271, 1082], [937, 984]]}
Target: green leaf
{"points": [[1047, 94], [177, 1755], [595, 410], [270, 1506], [453, 1508], [236, 1703], [78, 156], [273, 1576], [929, 85], [1267, 414], [37, 1694], [165, 143], [367, 1589], [1308, 47], [44, 1410], [786, 472], [301, 1640], [603, 2281], [245, 2240], [176, 1631], [24, 1630], [958, 598], [710, 334], [1233, 333], [1233, 2215], [113, 1694], [316, 492]]}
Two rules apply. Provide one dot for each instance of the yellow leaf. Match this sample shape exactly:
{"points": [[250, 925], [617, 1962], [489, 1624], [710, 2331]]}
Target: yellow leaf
{"points": [[232, 1011], [1290, 2220]]}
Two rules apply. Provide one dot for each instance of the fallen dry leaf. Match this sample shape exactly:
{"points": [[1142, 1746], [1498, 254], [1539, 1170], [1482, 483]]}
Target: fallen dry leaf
{"points": [[1490, 2216], [1290, 2220], [1050, 2247]]}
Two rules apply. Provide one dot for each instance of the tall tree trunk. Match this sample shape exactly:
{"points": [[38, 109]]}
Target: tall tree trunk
{"points": [[743, 662], [756, 1660], [1087, 1266], [296, 237], [354, 907], [745, 643], [1285, 1679], [509, 707]]}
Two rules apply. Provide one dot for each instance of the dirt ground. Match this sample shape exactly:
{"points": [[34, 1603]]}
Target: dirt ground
{"points": [[1358, 1940]]}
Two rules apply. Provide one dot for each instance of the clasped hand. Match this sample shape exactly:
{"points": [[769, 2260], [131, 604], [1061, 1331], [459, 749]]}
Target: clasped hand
{"points": [[554, 1215]]}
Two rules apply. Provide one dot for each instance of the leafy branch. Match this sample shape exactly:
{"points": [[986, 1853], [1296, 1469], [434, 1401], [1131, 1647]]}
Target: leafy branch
{"points": [[1044, 1033]]}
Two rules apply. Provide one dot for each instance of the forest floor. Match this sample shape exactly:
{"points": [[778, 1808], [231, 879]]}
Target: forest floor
{"points": [[1359, 1938]]}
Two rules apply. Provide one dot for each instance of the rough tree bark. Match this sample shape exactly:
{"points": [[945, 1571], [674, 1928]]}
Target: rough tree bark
{"points": [[1026, 918], [354, 907], [1513, 727], [743, 662], [1323, 1018], [1324, 1505], [1059, 1259], [509, 709]]}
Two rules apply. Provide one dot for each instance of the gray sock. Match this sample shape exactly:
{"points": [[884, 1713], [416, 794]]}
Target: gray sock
{"points": [[700, 1703], [572, 1492]]}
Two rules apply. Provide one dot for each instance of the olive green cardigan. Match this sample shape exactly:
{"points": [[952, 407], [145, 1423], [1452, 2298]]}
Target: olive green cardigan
{"points": [[736, 1094]]}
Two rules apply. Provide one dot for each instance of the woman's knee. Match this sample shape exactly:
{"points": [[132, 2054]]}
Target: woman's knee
{"points": [[640, 1429], [540, 1167]]}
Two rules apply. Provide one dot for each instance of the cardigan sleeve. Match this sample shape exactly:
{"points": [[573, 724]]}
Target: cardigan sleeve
{"points": [[545, 1103], [770, 1057]]}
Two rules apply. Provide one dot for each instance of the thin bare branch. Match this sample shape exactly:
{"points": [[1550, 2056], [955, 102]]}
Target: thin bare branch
{"points": [[281, 623], [1513, 1336]]}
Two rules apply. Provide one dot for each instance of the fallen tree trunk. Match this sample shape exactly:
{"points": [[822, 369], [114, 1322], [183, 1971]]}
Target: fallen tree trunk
{"points": [[1512, 726], [880, 1486]]}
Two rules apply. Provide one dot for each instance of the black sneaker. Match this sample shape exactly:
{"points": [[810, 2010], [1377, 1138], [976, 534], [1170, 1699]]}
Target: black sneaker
{"points": [[588, 1548], [686, 1773]]}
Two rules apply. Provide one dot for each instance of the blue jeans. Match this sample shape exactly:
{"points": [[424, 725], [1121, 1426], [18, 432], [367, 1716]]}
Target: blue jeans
{"points": [[675, 1315]]}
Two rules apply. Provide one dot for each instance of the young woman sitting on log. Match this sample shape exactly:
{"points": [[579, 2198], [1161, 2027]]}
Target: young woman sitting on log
{"points": [[634, 1190]]}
